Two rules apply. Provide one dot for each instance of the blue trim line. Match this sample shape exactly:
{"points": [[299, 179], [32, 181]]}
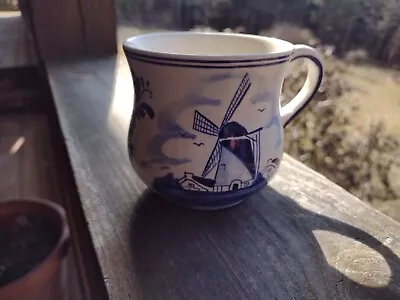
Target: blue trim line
{"points": [[208, 200], [228, 64], [200, 61], [319, 81]]}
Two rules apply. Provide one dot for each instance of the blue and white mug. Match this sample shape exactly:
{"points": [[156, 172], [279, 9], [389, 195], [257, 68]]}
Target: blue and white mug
{"points": [[207, 126]]}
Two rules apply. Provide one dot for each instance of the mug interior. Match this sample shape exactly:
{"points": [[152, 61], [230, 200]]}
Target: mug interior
{"points": [[207, 45]]}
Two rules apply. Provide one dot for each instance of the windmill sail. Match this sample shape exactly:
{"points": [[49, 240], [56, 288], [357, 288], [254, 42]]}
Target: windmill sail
{"points": [[213, 160], [226, 131], [204, 125], [237, 98]]}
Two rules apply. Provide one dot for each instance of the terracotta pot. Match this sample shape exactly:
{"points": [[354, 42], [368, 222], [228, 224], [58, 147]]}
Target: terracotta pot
{"points": [[47, 280]]}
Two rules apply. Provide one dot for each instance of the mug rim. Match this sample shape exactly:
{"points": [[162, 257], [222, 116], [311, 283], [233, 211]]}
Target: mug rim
{"points": [[131, 49]]}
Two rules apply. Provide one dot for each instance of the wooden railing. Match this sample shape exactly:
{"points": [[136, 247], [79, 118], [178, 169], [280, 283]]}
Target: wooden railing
{"points": [[302, 237]]}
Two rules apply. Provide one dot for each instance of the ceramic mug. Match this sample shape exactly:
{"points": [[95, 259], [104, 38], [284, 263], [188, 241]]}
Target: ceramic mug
{"points": [[207, 126]]}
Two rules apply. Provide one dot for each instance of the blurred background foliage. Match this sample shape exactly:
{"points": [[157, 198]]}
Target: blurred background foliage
{"points": [[373, 25], [349, 132]]}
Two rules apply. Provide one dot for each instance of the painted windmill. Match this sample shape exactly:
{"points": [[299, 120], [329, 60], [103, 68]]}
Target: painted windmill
{"points": [[235, 158]]}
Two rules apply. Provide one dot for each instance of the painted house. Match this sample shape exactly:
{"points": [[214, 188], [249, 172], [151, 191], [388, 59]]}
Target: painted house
{"points": [[192, 182], [195, 183]]}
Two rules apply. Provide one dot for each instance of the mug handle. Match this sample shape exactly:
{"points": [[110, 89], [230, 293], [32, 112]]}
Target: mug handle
{"points": [[311, 86]]}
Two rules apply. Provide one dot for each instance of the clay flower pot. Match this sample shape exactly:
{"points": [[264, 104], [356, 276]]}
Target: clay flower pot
{"points": [[34, 239]]}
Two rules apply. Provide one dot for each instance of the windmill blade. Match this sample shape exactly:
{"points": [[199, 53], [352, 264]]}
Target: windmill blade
{"points": [[237, 98], [213, 160], [204, 125]]}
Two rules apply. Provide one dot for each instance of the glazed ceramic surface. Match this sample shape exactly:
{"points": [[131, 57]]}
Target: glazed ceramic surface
{"points": [[207, 126]]}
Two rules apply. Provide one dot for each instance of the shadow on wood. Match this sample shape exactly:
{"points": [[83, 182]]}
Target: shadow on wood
{"points": [[266, 248]]}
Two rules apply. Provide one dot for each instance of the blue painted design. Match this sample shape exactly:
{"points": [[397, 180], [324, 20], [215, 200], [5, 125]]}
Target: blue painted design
{"points": [[200, 64], [130, 53], [262, 97], [199, 196], [275, 121], [142, 91], [198, 144], [141, 108], [220, 77], [233, 167], [169, 129], [271, 166], [157, 142]]}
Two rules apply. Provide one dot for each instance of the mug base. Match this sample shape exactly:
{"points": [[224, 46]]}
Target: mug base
{"points": [[207, 208], [207, 201]]}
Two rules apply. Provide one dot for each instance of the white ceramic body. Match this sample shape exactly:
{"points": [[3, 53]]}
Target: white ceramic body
{"points": [[207, 126]]}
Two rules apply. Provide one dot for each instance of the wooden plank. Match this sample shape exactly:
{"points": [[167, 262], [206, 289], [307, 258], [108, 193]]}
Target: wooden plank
{"points": [[78, 27], [33, 160], [99, 21], [16, 45], [10, 145], [20, 90], [37, 161], [302, 237], [90, 277], [58, 27]]}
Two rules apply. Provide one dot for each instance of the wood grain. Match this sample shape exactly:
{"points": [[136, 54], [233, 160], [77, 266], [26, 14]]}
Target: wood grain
{"points": [[90, 279], [73, 28], [302, 237], [16, 45], [10, 160], [99, 23], [58, 28], [20, 90]]}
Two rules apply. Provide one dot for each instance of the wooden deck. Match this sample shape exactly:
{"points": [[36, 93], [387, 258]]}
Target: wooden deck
{"points": [[302, 237], [16, 46]]}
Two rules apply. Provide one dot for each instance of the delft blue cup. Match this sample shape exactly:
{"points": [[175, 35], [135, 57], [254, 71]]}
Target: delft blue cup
{"points": [[207, 126]]}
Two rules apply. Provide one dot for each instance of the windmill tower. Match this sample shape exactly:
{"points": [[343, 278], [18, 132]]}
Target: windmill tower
{"points": [[235, 159]]}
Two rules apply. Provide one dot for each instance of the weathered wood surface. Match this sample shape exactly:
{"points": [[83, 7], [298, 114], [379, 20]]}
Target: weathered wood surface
{"points": [[99, 21], [16, 45], [20, 90], [90, 278], [73, 28], [302, 237]]}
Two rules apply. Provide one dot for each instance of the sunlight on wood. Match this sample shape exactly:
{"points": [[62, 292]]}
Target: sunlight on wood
{"points": [[17, 145], [9, 14], [355, 260], [121, 107]]}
